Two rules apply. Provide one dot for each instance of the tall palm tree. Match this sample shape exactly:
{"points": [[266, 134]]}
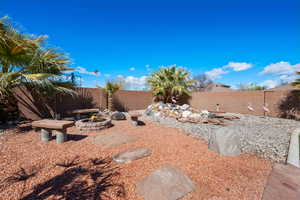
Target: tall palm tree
{"points": [[111, 88], [170, 83]]}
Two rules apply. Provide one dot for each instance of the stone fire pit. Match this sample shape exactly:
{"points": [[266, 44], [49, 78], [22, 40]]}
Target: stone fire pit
{"points": [[93, 125]]}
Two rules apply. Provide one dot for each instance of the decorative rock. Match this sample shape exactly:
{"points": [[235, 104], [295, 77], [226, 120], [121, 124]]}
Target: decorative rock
{"points": [[135, 123], [225, 141], [112, 139], [195, 116], [132, 155], [186, 114], [185, 107], [118, 116], [165, 183]]}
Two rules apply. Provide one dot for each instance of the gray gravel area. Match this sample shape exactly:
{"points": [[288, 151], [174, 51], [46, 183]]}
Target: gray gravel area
{"points": [[266, 137]]}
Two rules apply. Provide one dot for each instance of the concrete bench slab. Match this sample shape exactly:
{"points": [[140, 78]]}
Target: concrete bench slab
{"points": [[132, 155], [79, 112], [83, 111], [59, 126], [52, 124]]}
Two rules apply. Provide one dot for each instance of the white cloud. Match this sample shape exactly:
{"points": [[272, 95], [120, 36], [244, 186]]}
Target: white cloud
{"points": [[270, 83], [215, 73], [283, 71], [131, 68], [107, 75], [133, 83], [238, 66], [281, 68], [83, 70]]}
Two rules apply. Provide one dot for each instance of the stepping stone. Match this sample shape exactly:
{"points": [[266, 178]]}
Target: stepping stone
{"points": [[112, 139], [283, 183], [225, 141], [165, 183], [132, 155]]}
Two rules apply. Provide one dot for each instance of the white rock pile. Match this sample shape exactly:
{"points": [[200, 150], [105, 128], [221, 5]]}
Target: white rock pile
{"points": [[183, 113]]}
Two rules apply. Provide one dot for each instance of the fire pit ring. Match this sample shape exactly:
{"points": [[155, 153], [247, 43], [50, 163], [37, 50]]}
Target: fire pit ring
{"points": [[90, 125]]}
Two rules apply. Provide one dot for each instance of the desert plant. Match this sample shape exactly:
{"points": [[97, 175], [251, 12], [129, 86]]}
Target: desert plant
{"points": [[110, 88], [170, 83]]}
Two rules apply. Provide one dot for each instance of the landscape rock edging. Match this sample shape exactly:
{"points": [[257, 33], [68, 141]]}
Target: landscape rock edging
{"points": [[266, 137]]}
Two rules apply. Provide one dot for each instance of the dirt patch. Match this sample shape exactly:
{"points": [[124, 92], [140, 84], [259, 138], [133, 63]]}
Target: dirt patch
{"points": [[241, 177]]}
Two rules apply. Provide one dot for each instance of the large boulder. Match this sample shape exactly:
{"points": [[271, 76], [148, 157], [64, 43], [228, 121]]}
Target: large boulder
{"points": [[118, 116], [165, 183], [225, 141]]}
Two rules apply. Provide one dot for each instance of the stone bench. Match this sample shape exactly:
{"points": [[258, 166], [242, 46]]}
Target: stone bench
{"points": [[79, 112], [48, 125]]}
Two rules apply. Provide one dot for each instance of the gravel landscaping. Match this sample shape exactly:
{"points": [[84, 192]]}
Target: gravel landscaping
{"points": [[79, 169], [266, 137]]}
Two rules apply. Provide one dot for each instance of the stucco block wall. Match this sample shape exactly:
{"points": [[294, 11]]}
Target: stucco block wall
{"points": [[235, 101]]}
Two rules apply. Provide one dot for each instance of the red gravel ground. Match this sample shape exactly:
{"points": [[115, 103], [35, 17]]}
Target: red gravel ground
{"points": [[217, 177]]}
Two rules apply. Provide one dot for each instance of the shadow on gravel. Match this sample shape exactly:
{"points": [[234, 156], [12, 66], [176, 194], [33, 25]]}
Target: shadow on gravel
{"points": [[76, 137], [92, 179], [20, 176]]}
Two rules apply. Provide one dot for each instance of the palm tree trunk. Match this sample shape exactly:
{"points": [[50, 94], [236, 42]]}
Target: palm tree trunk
{"points": [[110, 102]]}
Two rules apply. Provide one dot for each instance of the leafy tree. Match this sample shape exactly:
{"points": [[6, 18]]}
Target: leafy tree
{"points": [[170, 83], [110, 88], [201, 82], [297, 81], [251, 86]]}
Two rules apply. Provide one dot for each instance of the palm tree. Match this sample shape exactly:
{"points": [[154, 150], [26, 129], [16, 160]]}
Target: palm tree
{"points": [[24, 60], [111, 88], [170, 83]]}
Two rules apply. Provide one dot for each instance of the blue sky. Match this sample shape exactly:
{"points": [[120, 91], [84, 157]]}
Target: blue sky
{"points": [[231, 41]]}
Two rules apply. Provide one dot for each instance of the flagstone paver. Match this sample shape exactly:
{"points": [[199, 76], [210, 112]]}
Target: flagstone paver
{"points": [[165, 183], [131, 155], [283, 183]]}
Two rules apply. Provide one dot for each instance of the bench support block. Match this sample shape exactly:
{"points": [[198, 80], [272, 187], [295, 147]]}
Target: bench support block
{"points": [[45, 135], [61, 136]]}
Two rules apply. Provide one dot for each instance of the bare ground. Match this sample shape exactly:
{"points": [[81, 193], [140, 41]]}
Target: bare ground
{"points": [[68, 171]]}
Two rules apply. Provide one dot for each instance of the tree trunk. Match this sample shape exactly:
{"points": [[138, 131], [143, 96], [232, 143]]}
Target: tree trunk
{"points": [[110, 102]]}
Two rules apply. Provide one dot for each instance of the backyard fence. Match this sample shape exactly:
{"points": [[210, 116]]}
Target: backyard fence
{"points": [[279, 103]]}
